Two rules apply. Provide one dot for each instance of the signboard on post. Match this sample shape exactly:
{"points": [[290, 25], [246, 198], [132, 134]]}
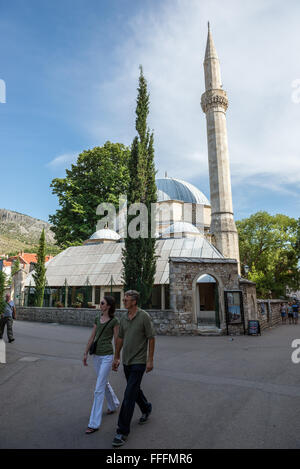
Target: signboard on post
{"points": [[234, 310], [253, 327]]}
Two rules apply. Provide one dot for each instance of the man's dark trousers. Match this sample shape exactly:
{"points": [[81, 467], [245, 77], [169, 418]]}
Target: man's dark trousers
{"points": [[8, 321], [133, 394]]}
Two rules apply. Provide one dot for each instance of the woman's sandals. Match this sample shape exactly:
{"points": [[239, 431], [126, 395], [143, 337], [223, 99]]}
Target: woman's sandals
{"points": [[91, 430]]}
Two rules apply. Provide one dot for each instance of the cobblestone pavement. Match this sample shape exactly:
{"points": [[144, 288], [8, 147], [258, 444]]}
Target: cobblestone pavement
{"points": [[207, 392]]}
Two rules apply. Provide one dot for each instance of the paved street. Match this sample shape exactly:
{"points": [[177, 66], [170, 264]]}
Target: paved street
{"points": [[207, 392]]}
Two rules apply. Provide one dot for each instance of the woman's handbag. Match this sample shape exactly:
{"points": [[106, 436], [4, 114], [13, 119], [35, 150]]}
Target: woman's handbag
{"points": [[93, 347]]}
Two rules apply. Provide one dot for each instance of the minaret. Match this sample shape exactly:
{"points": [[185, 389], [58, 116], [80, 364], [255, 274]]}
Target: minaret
{"points": [[214, 103]]}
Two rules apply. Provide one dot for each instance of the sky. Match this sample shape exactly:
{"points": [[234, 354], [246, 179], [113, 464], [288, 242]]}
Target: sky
{"points": [[69, 75]]}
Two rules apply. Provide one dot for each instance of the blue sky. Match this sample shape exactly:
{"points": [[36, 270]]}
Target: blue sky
{"points": [[71, 69]]}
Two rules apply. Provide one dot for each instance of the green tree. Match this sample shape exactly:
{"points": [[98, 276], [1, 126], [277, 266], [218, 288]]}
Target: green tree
{"points": [[99, 175], [269, 245], [138, 259], [2, 290], [39, 274], [15, 268]]}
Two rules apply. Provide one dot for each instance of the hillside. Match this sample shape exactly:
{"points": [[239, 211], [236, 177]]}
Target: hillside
{"points": [[21, 232]]}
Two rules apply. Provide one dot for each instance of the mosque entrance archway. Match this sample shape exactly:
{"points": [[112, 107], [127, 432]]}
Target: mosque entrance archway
{"points": [[207, 301]]}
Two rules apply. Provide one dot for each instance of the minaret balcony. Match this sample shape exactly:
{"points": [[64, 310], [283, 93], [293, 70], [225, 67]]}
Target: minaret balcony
{"points": [[213, 99]]}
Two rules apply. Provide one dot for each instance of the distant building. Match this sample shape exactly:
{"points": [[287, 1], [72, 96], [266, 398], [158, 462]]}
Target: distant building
{"points": [[27, 260]]}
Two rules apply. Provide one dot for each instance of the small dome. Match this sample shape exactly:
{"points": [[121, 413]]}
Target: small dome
{"points": [[105, 234], [177, 189], [181, 229]]}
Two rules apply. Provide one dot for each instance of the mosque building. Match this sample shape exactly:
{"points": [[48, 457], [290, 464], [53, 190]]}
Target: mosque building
{"points": [[198, 269]]}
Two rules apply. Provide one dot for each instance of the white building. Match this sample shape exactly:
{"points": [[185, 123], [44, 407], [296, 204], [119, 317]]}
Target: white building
{"points": [[95, 268]]}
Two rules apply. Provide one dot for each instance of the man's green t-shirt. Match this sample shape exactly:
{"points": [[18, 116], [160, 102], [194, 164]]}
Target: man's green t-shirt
{"points": [[135, 334], [104, 344]]}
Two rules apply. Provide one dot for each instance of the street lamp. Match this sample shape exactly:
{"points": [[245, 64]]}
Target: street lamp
{"points": [[246, 269]]}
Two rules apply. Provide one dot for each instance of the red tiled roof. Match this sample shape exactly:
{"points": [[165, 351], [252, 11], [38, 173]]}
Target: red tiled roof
{"points": [[27, 257]]}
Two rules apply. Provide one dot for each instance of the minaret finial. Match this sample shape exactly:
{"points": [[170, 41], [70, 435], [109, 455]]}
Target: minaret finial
{"points": [[208, 26]]}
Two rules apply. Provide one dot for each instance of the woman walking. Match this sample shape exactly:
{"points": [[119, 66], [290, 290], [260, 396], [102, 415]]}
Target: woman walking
{"points": [[105, 328], [283, 312], [290, 313]]}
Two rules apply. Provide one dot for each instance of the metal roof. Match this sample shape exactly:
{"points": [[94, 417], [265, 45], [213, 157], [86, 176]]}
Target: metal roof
{"points": [[98, 262], [177, 189]]}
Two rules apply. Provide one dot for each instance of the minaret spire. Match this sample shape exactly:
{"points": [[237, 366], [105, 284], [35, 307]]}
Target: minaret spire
{"points": [[211, 64], [214, 104]]}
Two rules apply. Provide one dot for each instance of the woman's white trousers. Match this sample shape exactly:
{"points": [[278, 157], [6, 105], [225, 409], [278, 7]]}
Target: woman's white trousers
{"points": [[102, 364]]}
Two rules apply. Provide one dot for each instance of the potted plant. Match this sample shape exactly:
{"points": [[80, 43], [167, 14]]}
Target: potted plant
{"points": [[79, 300]]}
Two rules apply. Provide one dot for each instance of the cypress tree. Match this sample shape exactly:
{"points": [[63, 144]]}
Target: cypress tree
{"points": [[139, 260], [149, 243], [39, 275]]}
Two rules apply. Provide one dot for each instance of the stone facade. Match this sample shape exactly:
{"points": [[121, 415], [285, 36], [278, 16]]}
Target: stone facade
{"points": [[184, 273], [249, 300]]}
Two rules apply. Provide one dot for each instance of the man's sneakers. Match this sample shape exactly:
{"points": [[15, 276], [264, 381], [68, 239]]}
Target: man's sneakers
{"points": [[145, 417], [11, 340], [119, 440]]}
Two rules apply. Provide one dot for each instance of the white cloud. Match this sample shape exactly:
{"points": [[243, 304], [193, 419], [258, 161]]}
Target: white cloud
{"points": [[257, 46], [62, 161]]}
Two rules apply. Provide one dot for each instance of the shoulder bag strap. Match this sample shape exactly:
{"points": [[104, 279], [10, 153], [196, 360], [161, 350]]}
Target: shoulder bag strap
{"points": [[106, 324]]}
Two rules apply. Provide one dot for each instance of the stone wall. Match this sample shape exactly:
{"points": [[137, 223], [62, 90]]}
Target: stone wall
{"points": [[165, 322], [268, 313]]}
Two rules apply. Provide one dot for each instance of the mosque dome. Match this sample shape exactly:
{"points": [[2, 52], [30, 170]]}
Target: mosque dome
{"points": [[181, 229], [104, 235], [177, 189]]}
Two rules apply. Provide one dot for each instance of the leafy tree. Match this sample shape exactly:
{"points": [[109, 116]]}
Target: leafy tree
{"points": [[99, 175], [138, 259], [269, 245], [39, 275]]}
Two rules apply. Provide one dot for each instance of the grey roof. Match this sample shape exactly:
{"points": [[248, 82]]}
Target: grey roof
{"points": [[177, 189], [98, 262]]}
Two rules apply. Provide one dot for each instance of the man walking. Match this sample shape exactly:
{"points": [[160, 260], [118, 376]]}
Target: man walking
{"points": [[135, 332], [7, 318], [295, 307]]}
